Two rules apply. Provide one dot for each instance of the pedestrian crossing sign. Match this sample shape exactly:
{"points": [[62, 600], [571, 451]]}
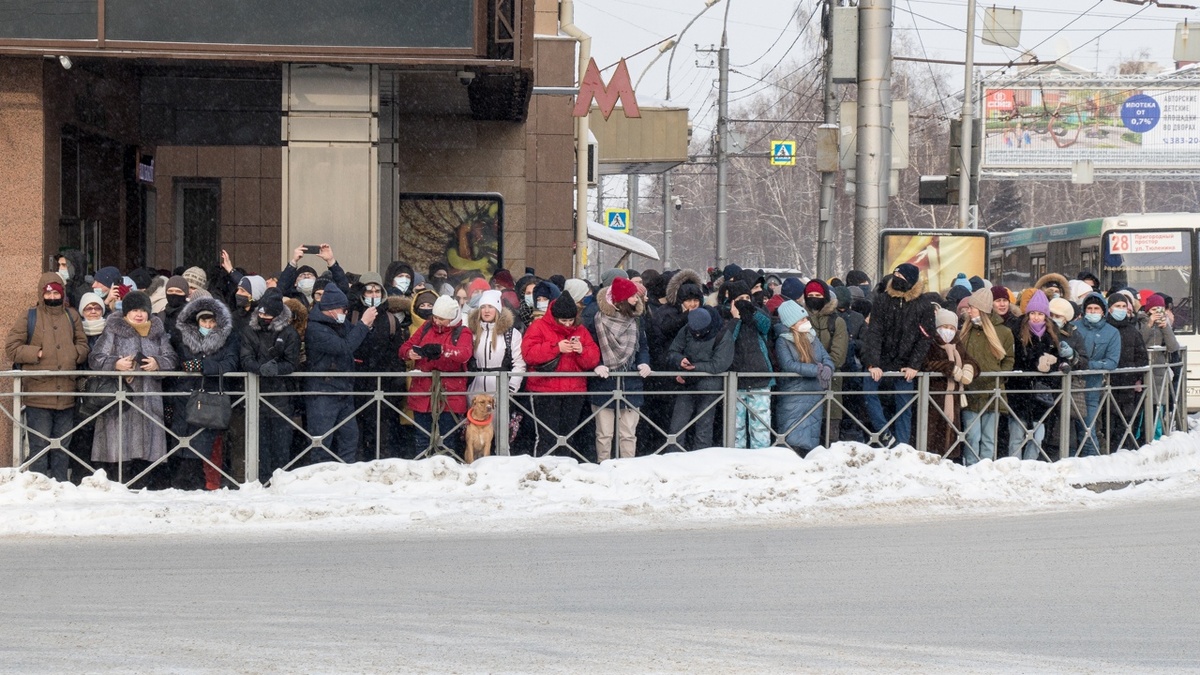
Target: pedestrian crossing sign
{"points": [[783, 153], [617, 220]]}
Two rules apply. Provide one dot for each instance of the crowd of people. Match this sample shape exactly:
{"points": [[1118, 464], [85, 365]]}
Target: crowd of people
{"points": [[648, 351]]}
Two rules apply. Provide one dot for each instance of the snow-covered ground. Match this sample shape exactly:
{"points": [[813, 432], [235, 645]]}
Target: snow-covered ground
{"points": [[845, 483]]}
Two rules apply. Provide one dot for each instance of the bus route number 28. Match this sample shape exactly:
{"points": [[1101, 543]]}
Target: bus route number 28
{"points": [[1120, 243]]}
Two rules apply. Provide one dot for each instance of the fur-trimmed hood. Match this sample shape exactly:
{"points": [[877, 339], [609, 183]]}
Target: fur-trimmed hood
{"points": [[299, 315], [1054, 278], [917, 290], [399, 304], [679, 279], [189, 331], [284, 319], [605, 306]]}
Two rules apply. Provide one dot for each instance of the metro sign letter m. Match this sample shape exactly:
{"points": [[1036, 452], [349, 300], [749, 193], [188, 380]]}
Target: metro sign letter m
{"points": [[619, 88]]}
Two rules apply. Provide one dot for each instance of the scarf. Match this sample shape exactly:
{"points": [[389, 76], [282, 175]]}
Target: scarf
{"points": [[143, 329], [1038, 329], [93, 327], [948, 399], [618, 338]]}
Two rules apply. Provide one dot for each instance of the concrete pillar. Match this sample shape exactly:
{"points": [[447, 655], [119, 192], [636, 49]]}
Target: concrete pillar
{"points": [[22, 202]]}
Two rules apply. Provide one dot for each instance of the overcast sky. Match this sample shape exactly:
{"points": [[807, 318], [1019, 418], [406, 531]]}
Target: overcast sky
{"points": [[768, 36]]}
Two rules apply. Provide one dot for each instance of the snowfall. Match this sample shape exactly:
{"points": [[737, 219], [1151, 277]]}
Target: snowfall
{"points": [[845, 483]]}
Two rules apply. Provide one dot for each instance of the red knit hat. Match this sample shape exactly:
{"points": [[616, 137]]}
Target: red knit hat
{"points": [[53, 286], [622, 290], [816, 287], [1155, 300]]}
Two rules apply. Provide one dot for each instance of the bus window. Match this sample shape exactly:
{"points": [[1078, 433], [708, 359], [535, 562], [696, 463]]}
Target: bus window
{"points": [[1089, 256], [1157, 260], [1016, 268], [1037, 265]]}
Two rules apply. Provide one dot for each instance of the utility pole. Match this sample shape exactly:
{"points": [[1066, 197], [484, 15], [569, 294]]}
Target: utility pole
{"points": [[968, 117], [722, 149], [632, 203], [825, 238], [668, 218], [872, 165]]}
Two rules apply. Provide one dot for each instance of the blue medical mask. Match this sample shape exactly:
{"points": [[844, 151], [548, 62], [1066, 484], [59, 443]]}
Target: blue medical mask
{"points": [[402, 283], [372, 302], [340, 318], [1058, 322], [1119, 314], [205, 331], [1093, 318], [100, 291], [65, 274], [543, 305], [529, 301], [306, 285]]}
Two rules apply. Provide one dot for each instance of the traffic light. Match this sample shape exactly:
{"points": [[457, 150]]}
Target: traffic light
{"points": [[955, 164]]}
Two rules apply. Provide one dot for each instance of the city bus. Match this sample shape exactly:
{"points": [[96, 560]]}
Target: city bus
{"points": [[1141, 250]]}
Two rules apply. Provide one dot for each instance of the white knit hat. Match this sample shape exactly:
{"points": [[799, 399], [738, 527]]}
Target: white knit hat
{"points": [[446, 307]]}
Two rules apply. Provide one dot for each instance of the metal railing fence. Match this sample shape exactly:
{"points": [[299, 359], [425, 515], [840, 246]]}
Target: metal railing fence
{"points": [[1079, 413]]}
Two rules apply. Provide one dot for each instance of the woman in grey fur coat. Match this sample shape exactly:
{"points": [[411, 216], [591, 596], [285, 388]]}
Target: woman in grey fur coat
{"points": [[133, 339]]}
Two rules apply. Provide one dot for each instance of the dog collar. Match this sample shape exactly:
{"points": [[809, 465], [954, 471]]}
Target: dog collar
{"points": [[480, 423]]}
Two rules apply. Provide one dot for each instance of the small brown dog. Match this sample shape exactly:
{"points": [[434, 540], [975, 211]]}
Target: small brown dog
{"points": [[479, 427]]}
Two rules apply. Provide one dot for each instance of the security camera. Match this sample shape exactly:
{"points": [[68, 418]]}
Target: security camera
{"points": [[465, 77], [678, 203], [65, 62]]}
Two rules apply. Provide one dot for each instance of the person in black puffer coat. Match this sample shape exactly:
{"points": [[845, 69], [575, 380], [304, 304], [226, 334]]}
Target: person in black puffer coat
{"points": [[1035, 349], [209, 346], [1127, 387], [380, 353], [270, 348], [897, 340]]}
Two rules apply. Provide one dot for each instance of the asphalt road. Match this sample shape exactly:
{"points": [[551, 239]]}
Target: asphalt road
{"points": [[1105, 591]]}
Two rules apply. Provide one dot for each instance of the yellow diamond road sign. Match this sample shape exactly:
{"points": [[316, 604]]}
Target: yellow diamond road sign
{"points": [[617, 219], [783, 153]]}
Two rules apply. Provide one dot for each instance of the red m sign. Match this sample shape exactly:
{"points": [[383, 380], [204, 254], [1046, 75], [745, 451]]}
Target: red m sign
{"points": [[619, 88]]}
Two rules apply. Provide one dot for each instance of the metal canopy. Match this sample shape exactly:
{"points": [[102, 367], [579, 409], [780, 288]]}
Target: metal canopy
{"points": [[626, 242]]}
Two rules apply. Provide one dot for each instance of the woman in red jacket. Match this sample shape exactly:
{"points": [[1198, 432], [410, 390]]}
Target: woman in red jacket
{"points": [[558, 337], [442, 344]]}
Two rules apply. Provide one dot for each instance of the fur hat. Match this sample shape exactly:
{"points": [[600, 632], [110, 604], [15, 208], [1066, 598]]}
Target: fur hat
{"points": [[792, 313], [622, 290], [135, 300], [564, 307], [333, 298], [982, 300], [445, 307]]}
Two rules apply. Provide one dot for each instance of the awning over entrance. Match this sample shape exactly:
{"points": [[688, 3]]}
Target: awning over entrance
{"points": [[626, 242]]}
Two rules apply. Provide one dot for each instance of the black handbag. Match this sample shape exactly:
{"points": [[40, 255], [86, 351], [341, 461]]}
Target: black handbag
{"points": [[1044, 395], [209, 410], [549, 366], [102, 391]]}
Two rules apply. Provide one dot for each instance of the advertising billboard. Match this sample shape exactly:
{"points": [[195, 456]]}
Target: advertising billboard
{"points": [[1153, 126], [464, 231], [939, 254]]}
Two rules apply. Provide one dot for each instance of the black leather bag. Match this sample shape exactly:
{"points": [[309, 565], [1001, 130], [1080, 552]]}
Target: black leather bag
{"points": [[209, 410], [101, 392], [549, 366]]}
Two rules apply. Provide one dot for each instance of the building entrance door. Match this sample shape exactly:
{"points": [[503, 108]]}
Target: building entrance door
{"points": [[198, 223]]}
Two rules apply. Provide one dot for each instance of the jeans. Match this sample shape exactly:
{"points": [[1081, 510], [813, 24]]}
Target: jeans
{"points": [[325, 412], [902, 427], [446, 422], [53, 424], [981, 436], [1091, 442], [1017, 446]]}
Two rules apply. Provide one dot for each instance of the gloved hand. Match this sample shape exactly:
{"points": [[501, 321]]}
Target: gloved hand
{"points": [[968, 374], [824, 375], [269, 369], [745, 310], [1065, 350], [193, 366], [1046, 362], [430, 351], [644, 369], [1064, 367], [602, 371]]}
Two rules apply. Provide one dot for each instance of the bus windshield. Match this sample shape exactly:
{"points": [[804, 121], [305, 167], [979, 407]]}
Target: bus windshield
{"points": [[1152, 259]]}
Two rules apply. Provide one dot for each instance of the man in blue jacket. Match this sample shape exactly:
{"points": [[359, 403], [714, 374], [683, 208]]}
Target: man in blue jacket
{"points": [[1102, 345], [329, 345]]}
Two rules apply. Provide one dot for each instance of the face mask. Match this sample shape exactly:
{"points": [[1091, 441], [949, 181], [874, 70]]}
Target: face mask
{"points": [[340, 318], [372, 302], [804, 327], [1119, 314], [1058, 322], [205, 331], [264, 322], [306, 285], [65, 274], [1094, 318], [402, 283], [900, 284], [53, 303], [946, 333], [543, 305], [100, 292], [815, 304], [176, 301], [978, 321], [529, 301], [242, 302], [425, 312]]}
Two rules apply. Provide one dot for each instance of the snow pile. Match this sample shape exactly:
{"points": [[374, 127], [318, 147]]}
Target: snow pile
{"points": [[847, 482]]}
